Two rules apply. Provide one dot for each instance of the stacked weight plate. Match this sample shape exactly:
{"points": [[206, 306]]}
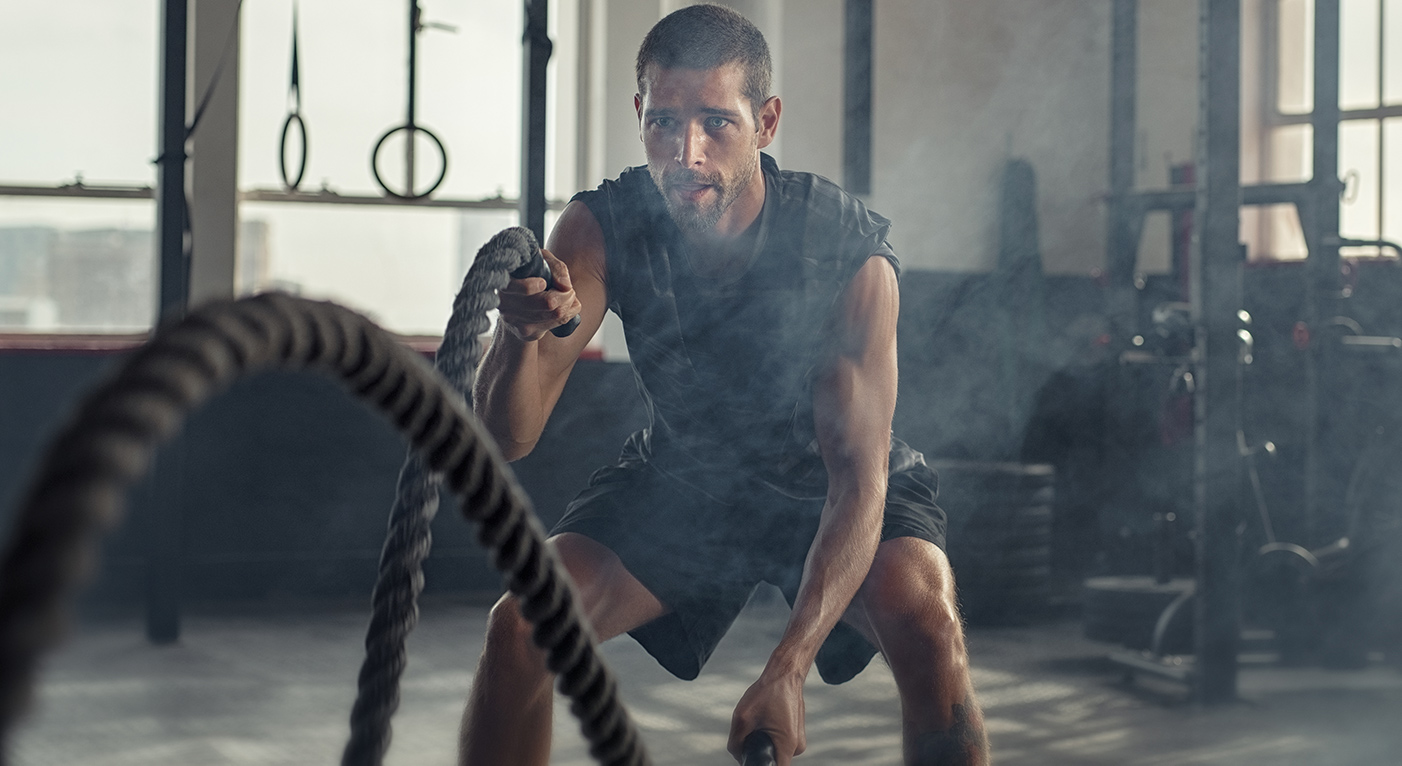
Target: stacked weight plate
{"points": [[999, 537]]}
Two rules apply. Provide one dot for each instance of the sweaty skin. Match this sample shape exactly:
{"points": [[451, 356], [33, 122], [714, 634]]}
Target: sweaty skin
{"points": [[702, 138]]}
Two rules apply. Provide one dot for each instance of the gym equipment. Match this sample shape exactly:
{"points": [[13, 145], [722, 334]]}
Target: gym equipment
{"points": [[411, 127], [539, 269], [1136, 612], [1000, 517], [77, 491]]}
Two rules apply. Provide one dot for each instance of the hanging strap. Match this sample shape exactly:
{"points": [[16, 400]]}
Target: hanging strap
{"points": [[294, 89], [294, 96]]}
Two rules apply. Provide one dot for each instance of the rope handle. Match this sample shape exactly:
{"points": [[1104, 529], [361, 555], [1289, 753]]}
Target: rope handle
{"points": [[538, 268], [758, 750]]}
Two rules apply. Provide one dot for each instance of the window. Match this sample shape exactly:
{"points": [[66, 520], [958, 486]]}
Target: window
{"points": [[402, 265], [73, 264], [82, 104], [1370, 128]]}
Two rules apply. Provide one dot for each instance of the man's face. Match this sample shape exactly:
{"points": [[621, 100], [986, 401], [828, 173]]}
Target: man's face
{"points": [[702, 140]]}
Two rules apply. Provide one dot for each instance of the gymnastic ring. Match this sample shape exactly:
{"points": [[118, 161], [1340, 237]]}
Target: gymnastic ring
{"points": [[375, 156], [282, 151]]}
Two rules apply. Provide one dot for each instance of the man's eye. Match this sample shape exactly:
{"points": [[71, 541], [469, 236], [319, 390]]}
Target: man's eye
{"points": [[716, 123], [662, 122]]}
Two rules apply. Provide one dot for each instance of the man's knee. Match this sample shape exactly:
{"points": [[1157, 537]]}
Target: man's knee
{"points": [[508, 631], [908, 596]]}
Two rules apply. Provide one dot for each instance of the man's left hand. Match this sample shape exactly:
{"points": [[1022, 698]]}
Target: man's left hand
{"points": [[773, 704]]}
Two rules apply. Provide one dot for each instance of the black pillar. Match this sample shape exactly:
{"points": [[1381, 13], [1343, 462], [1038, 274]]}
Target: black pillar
{"points": [[1124, 222], [856, 97], [535, 57], [1324, 487], [163, 553], [1216, 299]]}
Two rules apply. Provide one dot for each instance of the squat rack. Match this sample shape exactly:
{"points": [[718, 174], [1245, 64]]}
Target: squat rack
{"points": [[1215, 291]]}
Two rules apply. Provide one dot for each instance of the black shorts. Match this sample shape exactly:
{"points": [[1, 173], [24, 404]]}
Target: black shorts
{"points": [[702, 546]]}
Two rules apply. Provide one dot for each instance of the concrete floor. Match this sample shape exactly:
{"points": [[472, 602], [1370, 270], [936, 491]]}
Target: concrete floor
{"points": [[273, 686]]}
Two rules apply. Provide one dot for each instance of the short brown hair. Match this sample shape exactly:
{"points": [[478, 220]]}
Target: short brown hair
{"points": [[707, 36]]}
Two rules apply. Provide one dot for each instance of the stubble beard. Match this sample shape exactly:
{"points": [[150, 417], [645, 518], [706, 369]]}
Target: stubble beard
{"points": [[702, 218]]}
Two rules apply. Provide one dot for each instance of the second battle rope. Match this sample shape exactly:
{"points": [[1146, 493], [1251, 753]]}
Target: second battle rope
{"points": [[514, 251], [79, 488]]}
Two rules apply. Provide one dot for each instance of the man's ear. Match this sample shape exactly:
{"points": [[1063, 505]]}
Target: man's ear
{"points": [[638, 107], [768, 122]]}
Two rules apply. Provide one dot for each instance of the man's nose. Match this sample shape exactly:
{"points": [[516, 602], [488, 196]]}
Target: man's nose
{"points": [[691, 153]]}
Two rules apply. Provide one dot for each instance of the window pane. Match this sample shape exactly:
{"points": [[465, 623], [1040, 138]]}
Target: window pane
{"points": [[1295, 67], [1358, 166], [402, 267], [1292, 156], [1392, 179], [353, 78], [1392, 52], [1358, 54], [76, 265], [1272, 233], [71, 65]]}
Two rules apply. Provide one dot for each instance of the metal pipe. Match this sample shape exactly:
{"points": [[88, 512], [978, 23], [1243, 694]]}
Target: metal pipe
{"points": [[1324, 281], [1216, 272], [413, 91], [162, 571], [856, 96], [535, 56]]}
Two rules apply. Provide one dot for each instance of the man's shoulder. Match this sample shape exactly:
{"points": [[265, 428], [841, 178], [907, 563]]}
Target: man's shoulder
{"points": [[821, 198], [632, 180], [631, 196]]}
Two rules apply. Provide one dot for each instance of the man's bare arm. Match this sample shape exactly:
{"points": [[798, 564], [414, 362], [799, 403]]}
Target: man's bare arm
{"points": [[525, 369], [854, 399]]}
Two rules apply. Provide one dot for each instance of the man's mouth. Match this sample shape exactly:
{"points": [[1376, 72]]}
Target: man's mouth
{"points": [[691, 192]]}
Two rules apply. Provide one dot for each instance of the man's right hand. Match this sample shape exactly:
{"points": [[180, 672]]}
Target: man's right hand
{"points": [[529, 309]]}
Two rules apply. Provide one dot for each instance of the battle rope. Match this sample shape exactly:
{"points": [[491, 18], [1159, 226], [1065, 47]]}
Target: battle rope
{"points": [[513, 252], [79, 488]]}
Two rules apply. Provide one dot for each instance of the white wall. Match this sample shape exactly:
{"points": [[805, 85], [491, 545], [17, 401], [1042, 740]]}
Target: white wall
{"points": [[810, 86], [960, 88]]}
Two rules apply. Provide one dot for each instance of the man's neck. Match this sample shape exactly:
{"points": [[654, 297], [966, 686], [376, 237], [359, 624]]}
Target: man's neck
{"points": [[721, 258], [730, 242]]}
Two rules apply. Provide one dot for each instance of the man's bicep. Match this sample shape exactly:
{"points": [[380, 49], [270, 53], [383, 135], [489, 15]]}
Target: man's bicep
{"points": [[855, 396]]}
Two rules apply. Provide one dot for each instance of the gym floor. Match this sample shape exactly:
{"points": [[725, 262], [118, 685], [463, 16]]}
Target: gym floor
{"points": [[273, 685]]}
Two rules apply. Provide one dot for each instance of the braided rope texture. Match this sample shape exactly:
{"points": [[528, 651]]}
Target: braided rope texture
{"points": [[400, 583], [78, 491]]}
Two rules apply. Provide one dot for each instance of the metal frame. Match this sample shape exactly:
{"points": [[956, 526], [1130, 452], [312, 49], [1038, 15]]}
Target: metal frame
{"points": [[1215, 271], [79, 190], [164, 553]]}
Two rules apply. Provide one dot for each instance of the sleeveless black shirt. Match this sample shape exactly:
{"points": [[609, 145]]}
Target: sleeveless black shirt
{"points": [[726, 365]]}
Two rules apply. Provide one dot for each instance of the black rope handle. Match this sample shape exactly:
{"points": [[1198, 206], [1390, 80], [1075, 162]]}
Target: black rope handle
{"points": [[758, 750], [78, 491]]}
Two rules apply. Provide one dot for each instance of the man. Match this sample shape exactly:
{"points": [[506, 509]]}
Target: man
{"points": [[760, 311]]}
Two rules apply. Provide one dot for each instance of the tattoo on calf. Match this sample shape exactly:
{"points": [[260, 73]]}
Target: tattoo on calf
{"points": [[963, 744]]}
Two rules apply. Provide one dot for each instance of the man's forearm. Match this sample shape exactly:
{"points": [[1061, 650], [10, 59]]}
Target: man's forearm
{"points": [[507, 395], [838, 562]]}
